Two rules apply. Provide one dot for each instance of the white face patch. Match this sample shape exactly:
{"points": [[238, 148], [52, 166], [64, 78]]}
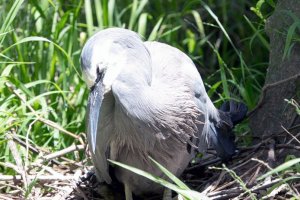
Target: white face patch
{"points": [[89, 80], [107, 56], [107, 62]]}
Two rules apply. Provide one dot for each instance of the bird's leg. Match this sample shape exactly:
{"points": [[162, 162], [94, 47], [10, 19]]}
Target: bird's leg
{"points": [[128, 192], [167, 194]]}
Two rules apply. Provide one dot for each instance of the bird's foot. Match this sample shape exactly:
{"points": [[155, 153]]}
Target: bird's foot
{"points": [[88, 179]]}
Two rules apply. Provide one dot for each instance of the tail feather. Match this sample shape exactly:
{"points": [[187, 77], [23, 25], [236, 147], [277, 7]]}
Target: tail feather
{"points": [[236, 110], [230, 114]]}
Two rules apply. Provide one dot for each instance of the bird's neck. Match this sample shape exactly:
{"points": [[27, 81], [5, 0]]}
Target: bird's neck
{"points": [[153, 108], [132, 90]]}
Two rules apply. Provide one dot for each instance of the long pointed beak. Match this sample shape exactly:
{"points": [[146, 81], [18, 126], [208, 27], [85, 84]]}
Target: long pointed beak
{"points": [[93, 114]]}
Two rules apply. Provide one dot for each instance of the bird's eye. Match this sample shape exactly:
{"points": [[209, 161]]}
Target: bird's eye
{"points": [[100, 74]]}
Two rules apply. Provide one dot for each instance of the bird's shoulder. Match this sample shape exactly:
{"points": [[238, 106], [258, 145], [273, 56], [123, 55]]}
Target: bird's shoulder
{"points": [[173, 67], [171, 60]]}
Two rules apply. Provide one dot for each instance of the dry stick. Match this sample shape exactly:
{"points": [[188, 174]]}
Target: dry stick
{"points": [[234, 181], [215, 184], [63, 152], [293, 137], [60, 153], [272, 165], [235, 190], [13, 148], [22, 143], [38, 150], [17, 189], [295, 190], [280, 146], [27, 146], [264, 90], [245, 161], [256, 147], [18, 178], [10, 165], [48, 169], [287, 146], [57, 186], [4, 197], [239, 190], [262, 162], [41, 119], [234, 168], [226, 196], [255, 175]]}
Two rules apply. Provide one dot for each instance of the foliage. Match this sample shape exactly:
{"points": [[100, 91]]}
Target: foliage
{"points": [[42, 95], [179, 186]]}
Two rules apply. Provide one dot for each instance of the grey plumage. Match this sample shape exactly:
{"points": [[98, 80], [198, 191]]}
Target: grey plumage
{"points": [[147, 99]]}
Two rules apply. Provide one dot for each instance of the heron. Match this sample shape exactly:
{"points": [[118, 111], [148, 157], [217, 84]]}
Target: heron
{"points": [[148, 99]]}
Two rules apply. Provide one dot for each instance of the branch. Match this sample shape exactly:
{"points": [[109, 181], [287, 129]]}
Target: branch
{"points": [[44, 178]]}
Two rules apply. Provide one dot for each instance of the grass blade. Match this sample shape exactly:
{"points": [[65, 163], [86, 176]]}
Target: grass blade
{"points": [[176, 180], [189, 194], [154, 33], [280, 168], [10, 18], [89, 17]]}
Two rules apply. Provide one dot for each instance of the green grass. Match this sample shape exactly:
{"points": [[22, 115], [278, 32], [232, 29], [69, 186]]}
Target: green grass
{"points": [[178, 186], [42, 96]]}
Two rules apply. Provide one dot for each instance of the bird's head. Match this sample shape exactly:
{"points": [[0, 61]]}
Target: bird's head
{"points": [[104, 56], [101, 61]]}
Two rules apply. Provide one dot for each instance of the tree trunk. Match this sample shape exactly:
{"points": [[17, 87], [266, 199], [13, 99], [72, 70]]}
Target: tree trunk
{"points": [[283, 79]]}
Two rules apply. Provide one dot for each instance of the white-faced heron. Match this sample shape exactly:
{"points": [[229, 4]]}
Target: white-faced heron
{"points": [[148, 99]]}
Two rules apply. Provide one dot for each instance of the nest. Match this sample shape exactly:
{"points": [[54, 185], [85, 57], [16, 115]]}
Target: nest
{"points": [[56, 177]]}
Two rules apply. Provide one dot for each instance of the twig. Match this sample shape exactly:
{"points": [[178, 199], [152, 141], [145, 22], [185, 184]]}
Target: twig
{"points": [[17, 189], [239, 180], [233, 182], [22, 143], [12, 166], [64, 151], [293, 137], [15, 153], [60, 153], [238, 190], [215, 184], [254, 176], [46, 178], [27, 145], [46, 168], [4, 197], [37, 149], [262, 162], [278, 146]]}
